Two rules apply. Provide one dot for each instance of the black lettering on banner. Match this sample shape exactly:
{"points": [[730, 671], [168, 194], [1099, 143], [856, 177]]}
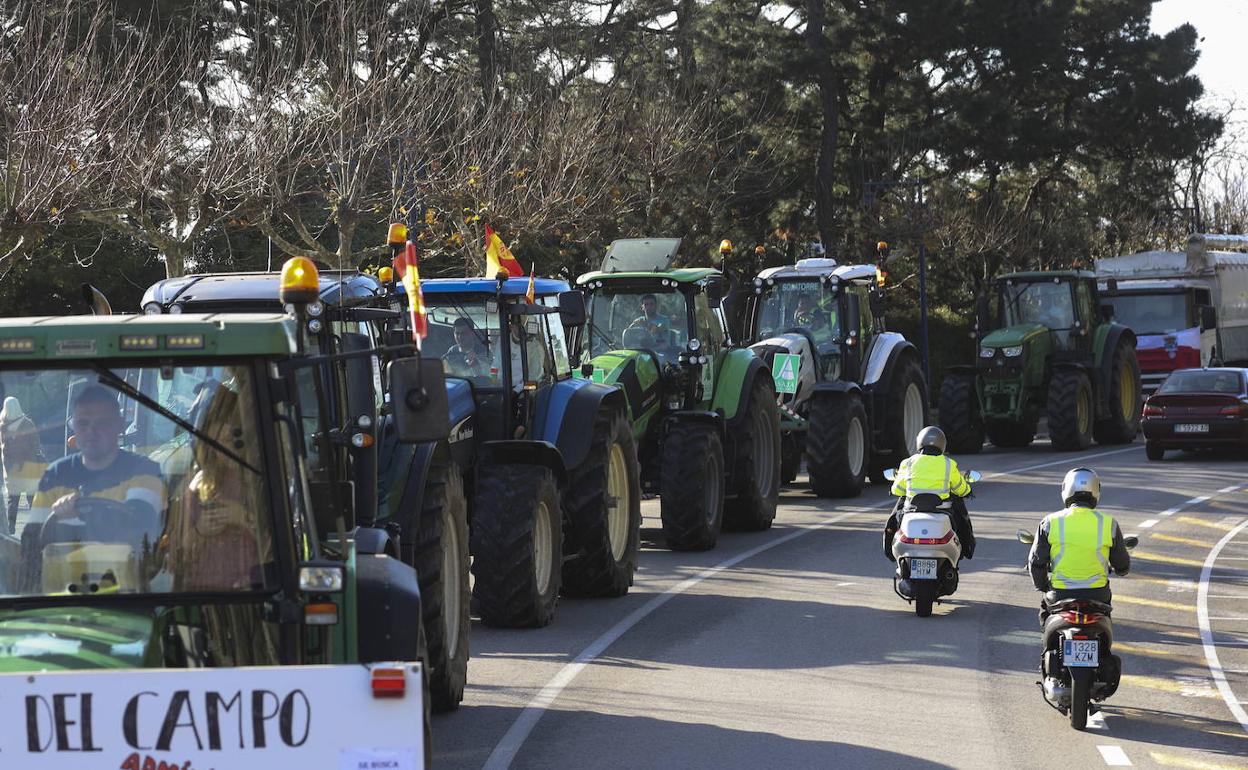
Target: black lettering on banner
{"points": [[215, 704], [33, 744], [288, 719], [259, 716], [84, 719], [181, 701], [130, 721]]}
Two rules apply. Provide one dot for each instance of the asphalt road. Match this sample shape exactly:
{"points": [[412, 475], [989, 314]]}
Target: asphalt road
{"points": [[788, 648]]}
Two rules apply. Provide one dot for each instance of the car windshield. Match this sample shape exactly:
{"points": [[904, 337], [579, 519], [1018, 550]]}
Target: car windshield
{"points": [[111, 495], [1203, 381], [1040, 302], [463, 331], [638, 319], [1151, 313], [806, 304]]}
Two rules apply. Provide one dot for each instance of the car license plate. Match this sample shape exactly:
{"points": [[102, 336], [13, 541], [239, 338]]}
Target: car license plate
{"points": [[1081, 653], [922, 569], [1191, 428]]}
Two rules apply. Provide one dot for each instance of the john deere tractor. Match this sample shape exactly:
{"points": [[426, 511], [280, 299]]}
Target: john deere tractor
{"points": [[1048, 350], [704, 415]]}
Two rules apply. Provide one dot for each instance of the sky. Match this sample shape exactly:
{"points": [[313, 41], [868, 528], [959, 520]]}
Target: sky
{"points": [[1224, 26]]}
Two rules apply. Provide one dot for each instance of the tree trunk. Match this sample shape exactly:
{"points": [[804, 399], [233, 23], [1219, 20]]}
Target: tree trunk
{"points": [[829, 101], [487, 48], [175, 254]]}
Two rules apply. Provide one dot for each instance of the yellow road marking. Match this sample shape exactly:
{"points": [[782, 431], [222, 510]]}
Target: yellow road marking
{"points": [[1171, 760], [1168, 559], [1202, 523], [1183, 540], [1197, 688], [1157, 652], [1154, 603]]}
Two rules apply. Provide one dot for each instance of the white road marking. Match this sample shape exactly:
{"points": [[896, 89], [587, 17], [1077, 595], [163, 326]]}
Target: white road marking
{"points": [[509, 745], [1095, 721], [1206, 633], [1170, 511], [1231, 488], [1199, 500], [1114, 756], [1148, 524]]}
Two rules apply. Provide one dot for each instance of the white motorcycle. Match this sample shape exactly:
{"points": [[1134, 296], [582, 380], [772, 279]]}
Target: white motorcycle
{"points": [[927, 550]]}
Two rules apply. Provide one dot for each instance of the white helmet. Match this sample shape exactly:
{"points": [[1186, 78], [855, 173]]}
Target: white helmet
{"points": [[1082, 486], [932, 438]]}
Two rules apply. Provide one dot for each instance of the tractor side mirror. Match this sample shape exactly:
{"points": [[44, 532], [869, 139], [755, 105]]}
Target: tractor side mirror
{"points": [[877, 301], [572, 309], [982, 319], [418, 395], [715, 292], [1208, 318], [1107, 312]]}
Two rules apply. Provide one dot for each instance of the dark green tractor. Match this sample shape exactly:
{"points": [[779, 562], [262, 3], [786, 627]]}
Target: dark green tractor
{"points": [[1047, 349]]}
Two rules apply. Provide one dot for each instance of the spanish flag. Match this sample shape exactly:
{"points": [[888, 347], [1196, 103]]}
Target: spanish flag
{"points": [[409, 272], [498, 258], [530, 295]]}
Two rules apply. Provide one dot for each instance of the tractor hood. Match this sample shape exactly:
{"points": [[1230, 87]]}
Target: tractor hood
{"points": [[636, 372], [1012, 336], [70, 638]]}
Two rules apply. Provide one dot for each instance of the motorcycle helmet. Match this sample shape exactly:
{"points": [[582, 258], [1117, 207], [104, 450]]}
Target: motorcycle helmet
{"points": [[1081, 486], [931, 441]]}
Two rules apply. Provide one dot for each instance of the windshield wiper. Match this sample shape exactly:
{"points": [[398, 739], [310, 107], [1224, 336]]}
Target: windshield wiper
{"points": [[118, 384]]}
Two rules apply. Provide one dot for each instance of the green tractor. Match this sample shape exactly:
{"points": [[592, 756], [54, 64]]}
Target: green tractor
{"points": [[1049, 351], [704, 415]]}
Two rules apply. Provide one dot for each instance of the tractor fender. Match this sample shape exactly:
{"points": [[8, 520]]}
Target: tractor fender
{"points": [[737, 370], [714, 419], [636, 373], [374, 541], [1104, 346], [831, 388], [388, 609], [522, 452], [888, 348], [570, 410]]}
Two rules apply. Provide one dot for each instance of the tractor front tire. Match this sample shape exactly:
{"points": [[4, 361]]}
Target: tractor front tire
{"points": [[517, 545], [1071, 410], [691, 486], [604, 511], [756, 464], [837, 445], [1123, 390], [439, 552], [960, 417]]}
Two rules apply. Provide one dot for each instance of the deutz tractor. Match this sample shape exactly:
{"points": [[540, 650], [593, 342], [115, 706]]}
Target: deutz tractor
{"points": [[704, 414], [852, 395], [177, 522], [1048, 350]]}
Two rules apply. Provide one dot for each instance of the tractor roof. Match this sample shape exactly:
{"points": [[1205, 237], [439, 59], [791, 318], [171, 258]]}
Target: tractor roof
{"points": [[255, 291], [679, 275], [513, 287], [91, 337], [640, 255], [1046, 275], [819, 268]]}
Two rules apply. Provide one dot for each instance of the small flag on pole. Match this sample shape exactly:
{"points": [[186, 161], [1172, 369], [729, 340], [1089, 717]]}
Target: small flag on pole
{"points": [[498, 258], [409, 272], [530, 295]]}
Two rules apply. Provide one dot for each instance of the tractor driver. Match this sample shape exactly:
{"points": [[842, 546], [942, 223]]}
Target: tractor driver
{"points": [[652, 323], [467, 357], [810, 315]]}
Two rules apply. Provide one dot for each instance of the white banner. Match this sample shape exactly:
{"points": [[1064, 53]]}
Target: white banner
{"points": [[306, 717]]}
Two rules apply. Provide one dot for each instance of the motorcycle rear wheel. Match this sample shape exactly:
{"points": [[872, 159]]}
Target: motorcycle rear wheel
{"points": [[924, 596], [1080, 685]]}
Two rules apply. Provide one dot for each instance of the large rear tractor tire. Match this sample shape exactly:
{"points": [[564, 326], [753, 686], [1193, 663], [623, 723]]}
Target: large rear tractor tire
{"points": [[604, 510], [1071, 410], [1125, 399], [691, 487], [517, 545], [439, 552], [837, 445], [1010, 435], [756, 466], [905, 414], [960, 417]]}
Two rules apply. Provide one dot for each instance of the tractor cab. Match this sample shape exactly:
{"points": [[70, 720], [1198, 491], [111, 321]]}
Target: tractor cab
{"points": [[1029, 305]]}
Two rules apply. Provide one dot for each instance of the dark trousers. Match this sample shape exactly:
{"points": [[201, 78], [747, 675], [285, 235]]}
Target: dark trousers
{"points": [[1102, 594], [959, 517]]}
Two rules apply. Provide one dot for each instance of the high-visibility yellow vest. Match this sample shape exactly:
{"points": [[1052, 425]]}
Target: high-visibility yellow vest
{"points": [[1079, 543], [930, 474]]}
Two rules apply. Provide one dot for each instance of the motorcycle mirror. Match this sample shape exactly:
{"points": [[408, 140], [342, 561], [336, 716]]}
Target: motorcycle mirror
{"points": [[1026, 537], [890, 474], [974, 476], [1130, 541]]}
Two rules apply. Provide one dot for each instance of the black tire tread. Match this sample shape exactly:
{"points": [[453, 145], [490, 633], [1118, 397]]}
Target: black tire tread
{"points": [[827, 445], [1120, 428], [1063, 417], [751, 510], [959, 414], [691, 452]]}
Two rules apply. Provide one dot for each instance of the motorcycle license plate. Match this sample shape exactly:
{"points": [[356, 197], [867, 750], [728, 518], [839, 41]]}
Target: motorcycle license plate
{"points": [[1081, 653], [922, 569], [1191, 428]]}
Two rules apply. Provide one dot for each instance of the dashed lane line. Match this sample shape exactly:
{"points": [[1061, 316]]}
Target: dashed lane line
{"points": [[1148, 524], [1114, 756], [1221, 526], [1201, 544], [1154, 603], [509, 745], [1206, 631], [1171, 760]]}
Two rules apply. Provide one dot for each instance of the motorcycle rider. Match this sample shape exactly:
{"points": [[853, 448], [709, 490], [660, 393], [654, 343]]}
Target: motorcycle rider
{"points": [[1076, 547], [932, 471]]}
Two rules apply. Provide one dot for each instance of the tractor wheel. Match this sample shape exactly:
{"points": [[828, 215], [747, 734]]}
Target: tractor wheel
{"points": [[756, 464], [905, 414], [439, 552], [836, 445], [517, 545], [691, 487], [960, 417], [790, 457], [1007, 435], [1071, 410], [604, 511], [1124, 394]]}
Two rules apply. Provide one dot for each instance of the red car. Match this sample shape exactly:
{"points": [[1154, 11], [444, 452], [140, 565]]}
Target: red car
{"points": [[1197, 409]]}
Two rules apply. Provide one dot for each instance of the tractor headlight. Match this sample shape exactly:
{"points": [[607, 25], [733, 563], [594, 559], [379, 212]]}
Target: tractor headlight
{"points": [[695, 344], [1013, 352], [153, 308], [987, 352]]}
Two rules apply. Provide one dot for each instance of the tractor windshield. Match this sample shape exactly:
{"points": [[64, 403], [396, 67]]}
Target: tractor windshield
{"points": [[464, 332], [638, 319], [805, 304], [133, 480], [1048, 303]]}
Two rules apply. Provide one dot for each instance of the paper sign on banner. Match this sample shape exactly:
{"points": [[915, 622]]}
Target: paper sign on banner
{"points": [[378, 759]]}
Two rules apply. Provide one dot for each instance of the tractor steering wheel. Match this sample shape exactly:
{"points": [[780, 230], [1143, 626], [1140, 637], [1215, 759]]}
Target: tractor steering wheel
{"points": [[99, 515]]}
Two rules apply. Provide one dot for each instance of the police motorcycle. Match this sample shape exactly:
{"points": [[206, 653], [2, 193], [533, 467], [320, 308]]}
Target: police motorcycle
{"points": [[926, 549], [1077, 668]]}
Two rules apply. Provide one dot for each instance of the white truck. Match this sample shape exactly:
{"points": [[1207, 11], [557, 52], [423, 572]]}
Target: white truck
{"points": [[1187, 308]]}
